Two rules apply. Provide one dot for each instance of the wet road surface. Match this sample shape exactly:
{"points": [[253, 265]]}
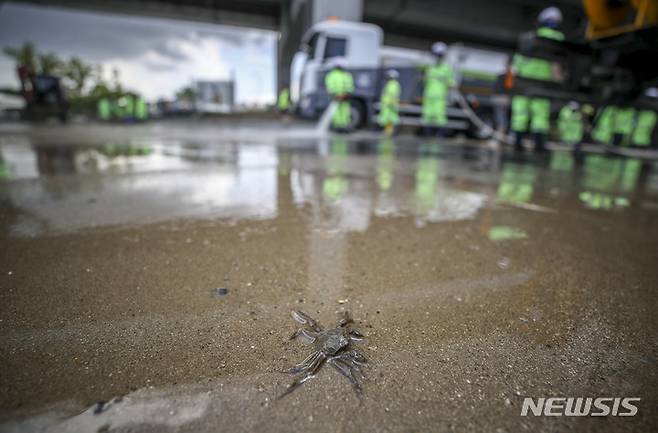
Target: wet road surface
{"points": [[141, 265]]}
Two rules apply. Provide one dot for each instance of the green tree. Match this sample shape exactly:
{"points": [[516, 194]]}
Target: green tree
{"points": [[26, 55], [186, 94], [79, 73], [50, 64]]}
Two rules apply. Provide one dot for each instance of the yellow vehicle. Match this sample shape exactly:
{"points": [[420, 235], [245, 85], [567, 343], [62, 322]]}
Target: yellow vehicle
{"points": [[607, 19]]}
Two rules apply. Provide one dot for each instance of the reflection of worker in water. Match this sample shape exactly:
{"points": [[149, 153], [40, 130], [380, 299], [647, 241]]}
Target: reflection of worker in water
{"points": [[517, 183], [339, 84], [609, 183], [389, 116], [385, 161], [427, 177], [439, 78], [532, 113], [335, 185]]}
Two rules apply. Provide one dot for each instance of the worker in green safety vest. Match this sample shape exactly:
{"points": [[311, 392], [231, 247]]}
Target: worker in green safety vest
{"points": [[130, 107], [604, 120], [104, 109], [438, 80], [283, 102], [530, 112], [570, 124], [141, 110], [622, 125], [389, 102], [644, 128], [339, 84]]}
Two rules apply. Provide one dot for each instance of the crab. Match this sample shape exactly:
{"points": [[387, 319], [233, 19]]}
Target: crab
{"points": [[331, 346]]}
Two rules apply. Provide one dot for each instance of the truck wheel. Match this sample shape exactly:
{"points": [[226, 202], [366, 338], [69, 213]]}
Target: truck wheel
{"points": [[358, 114]]}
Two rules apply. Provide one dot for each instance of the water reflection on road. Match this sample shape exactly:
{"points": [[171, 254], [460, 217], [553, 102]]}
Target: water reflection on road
{"points": [[346, 182]]}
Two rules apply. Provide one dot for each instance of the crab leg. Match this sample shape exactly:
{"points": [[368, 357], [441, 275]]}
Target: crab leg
{"points": [[343, 368], [305, 364], [305, 319], [356, 336], [315, 366], [353, 357], [344, 319], [307, 336]]}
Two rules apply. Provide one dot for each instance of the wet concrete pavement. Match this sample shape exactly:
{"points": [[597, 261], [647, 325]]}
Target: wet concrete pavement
{"points": [[478, 277]]}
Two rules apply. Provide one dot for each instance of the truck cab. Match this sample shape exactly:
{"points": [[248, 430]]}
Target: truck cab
{"points": [[358, 43]]}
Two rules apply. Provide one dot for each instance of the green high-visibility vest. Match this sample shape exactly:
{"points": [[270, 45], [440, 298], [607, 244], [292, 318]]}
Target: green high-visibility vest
{"points": [[141, 109], [623, 121], [391, 93], [104, 109], [284, 99], [570, 124], [130, 106], [532, 67], [646, 122], [603, 129], [438, 78], [339, 82]]}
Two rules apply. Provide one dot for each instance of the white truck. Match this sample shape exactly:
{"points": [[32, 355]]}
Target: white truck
{"points": [[476, 71]]}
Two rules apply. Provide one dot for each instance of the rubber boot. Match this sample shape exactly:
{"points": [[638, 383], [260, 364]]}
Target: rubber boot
{"points": [[518, 142], [617, 139], [540, 142]]}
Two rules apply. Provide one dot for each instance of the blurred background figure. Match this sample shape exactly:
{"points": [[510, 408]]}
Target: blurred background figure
{"points": [[622, 125], [439, 78], [532, 113], [570, 124], [645, 125], [389, 117], [339, 84], [283, 101]]}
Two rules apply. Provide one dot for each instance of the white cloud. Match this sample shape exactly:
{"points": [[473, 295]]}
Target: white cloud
{"points": [[155, 75]]}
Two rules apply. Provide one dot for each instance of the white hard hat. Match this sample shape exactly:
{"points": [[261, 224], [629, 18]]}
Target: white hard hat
{"points": [[338, 62], [574, 105], [392, 73], [550, 15], [439, 48], [652, 92]]}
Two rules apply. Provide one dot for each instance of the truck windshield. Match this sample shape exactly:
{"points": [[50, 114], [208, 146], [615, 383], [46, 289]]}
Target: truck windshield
{"points": [[334, 47]]}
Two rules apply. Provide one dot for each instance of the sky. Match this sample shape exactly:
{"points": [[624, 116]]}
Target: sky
{"points": [[154, 56]]}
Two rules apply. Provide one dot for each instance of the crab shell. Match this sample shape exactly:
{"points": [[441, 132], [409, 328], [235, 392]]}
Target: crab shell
{"points": [[332, 341]]}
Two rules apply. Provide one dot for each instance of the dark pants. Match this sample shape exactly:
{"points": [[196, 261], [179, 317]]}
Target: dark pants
{"points": [[617, 139]]}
